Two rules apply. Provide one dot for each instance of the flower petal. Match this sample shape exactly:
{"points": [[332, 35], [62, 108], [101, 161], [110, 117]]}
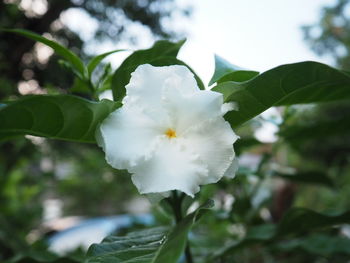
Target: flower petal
{"points": [[126, 136], [188, 110], [232, 169], [147, 83], [212, 141], [170, 168]]}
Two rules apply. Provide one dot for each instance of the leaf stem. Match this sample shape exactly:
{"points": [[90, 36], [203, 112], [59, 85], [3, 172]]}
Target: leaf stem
{"points": [[175, 202]]}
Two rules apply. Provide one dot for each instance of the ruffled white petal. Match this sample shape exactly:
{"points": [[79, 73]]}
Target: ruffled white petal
{"points": [[231, 171], [170, 168], [169, 134], [229, 106], [128, 135], [187, 110], [146, 85], [213, 142]]}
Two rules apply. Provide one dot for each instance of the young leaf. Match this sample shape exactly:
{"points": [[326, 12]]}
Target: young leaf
{"points": [[68, 55], [155, 245], [225, 71], [122, 75], [96, 60], [59, 117], [305, 82]]}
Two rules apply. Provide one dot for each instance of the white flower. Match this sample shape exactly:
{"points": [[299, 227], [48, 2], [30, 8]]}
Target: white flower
{"points": [[169, 134]]}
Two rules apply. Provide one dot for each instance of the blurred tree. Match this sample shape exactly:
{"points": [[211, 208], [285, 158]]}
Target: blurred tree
{"points": [[319, 134], [30, 169], [113, 17], [331, 34]]}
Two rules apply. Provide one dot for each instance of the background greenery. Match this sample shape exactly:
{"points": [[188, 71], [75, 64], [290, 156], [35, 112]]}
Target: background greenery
{"points": [[290, 207]]}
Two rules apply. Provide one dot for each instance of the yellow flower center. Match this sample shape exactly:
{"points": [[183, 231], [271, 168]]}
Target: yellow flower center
{"points": [[170, 133]]}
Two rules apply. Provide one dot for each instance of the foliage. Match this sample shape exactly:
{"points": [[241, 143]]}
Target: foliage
{"points": [[330, 35], [279, 209]]}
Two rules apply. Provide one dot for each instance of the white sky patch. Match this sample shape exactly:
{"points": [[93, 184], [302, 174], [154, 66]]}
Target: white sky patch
{"points": [[34, 7], [80, 22], [267, 132], [253, 34]]}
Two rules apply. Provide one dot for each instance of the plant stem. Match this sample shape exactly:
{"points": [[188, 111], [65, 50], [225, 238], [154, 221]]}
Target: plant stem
{"points": [[175, 202]]}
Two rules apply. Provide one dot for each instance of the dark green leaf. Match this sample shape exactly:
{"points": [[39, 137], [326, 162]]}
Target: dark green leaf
{"points": [[122, 75], [299, 220], [256, 234], [155, 245], [244, 143], [59, 49], [318, 244], [311, 177], [295, 221], [60, 117], [174, 246], [225, 71], [104, 81], [305, 82], [317, 129], [96, 60]]}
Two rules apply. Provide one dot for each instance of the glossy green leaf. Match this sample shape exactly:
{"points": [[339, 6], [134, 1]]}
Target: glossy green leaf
{"points": [[309, 177], [225, 71], [97, 59], [59, 117], [68, 55], [238, 76], [305, 82], [155, 245], [159, 50]]}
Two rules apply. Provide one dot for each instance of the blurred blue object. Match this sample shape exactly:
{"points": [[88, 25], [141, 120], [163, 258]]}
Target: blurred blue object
{"points": [[90, 231]]}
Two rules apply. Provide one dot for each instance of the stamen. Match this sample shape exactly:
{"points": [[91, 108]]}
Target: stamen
{"points": [[170, 133]]}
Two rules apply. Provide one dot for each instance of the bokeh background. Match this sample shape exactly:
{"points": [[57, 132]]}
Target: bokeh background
{"points": [[47, 186]]}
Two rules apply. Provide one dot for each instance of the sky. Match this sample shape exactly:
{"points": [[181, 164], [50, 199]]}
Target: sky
{"points": [[253, 34]]}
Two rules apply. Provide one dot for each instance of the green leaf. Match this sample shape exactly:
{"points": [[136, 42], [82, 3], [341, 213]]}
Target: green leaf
{"points": [[173, 247], [123, 74], [297, 133], [68, 55], [304, 82], [225, 71], [155, 245], [59, 117], [318, 244], [255, 235], [238, 76], [97, 59], [246, 143], [297, 221], [105, 80], [310, 177], [300, 220]]}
